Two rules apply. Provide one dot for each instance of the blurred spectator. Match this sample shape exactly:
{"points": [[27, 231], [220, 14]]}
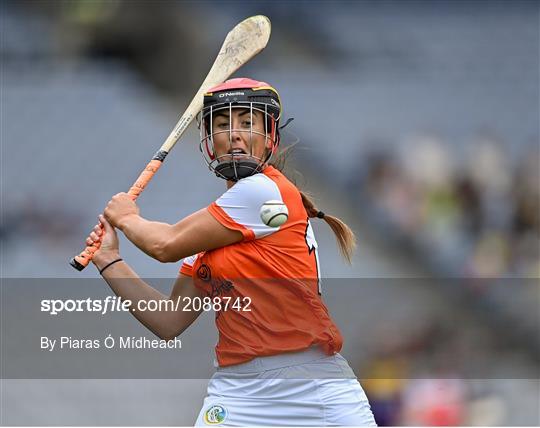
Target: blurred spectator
{"points": [[385, 375], [434, 402], [490, 256], [32, 218], [480, 217]]}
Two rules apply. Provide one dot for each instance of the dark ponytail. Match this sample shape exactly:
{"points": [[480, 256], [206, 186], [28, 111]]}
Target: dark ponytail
{"points": [[344, 235]]}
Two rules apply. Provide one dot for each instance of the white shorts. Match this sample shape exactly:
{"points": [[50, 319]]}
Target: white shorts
{"points": [[306, 388]]}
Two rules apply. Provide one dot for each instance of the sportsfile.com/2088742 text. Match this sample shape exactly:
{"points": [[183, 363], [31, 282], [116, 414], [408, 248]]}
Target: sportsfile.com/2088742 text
{"points": [[115, 304]]}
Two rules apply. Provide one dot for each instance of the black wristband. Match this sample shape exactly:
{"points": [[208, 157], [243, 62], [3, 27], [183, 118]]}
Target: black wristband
{"points": [[110, 264]]}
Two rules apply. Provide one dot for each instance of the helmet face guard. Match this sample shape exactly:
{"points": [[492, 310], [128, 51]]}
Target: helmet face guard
{"points": [[235, 109]]}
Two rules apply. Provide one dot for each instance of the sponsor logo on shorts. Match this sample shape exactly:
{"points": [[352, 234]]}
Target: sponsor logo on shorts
{"points": [[215, 415]]}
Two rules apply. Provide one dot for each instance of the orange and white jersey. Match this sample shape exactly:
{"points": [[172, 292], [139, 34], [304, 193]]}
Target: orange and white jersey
{"points": [[270, 280]]}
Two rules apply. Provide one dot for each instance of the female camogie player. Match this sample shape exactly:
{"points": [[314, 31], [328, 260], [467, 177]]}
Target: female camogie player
{"points": [[277, 354]]}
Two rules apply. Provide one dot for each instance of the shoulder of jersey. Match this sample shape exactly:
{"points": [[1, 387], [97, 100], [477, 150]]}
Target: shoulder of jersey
{"points": [[262, 186]]}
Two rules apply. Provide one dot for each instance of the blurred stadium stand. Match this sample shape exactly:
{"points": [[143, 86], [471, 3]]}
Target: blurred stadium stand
{"points": [[418, 124]]}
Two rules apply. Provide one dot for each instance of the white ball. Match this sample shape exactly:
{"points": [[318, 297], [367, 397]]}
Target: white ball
{"points": [[274, 213]]}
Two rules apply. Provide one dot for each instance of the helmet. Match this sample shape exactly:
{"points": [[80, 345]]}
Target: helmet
{"points": [[251, 96]]}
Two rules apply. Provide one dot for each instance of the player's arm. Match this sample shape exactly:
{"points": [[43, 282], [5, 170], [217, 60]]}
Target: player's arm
{"points": [[165, 242], [170, 243], [166, 323], [170, 320]]}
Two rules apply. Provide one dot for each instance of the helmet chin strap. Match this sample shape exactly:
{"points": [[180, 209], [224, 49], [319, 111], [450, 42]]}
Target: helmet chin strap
{"points": [[237, 169]]}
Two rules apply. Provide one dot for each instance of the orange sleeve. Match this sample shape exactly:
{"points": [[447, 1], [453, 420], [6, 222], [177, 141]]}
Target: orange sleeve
{"points": [[220, 215], [186, 269]]}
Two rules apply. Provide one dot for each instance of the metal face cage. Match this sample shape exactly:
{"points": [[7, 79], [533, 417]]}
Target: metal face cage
{"points": [[237, 138]]}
